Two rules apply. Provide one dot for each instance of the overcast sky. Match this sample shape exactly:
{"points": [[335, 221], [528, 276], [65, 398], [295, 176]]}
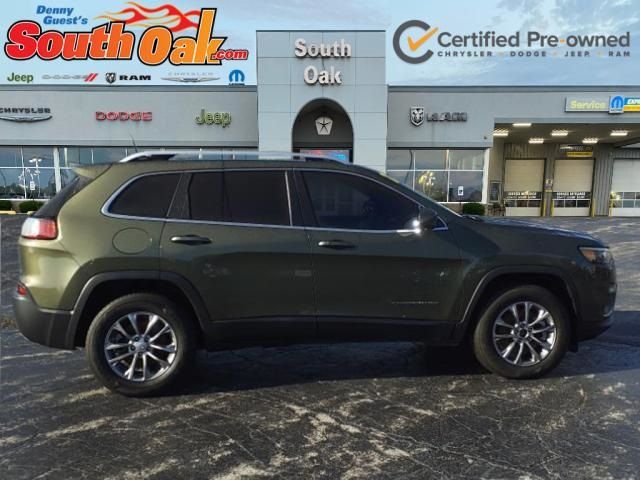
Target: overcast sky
{"points": [[239, 19]]}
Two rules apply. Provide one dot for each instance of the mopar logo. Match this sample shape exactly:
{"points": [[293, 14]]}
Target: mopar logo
{"points": [[236, 77], [616, 104]]}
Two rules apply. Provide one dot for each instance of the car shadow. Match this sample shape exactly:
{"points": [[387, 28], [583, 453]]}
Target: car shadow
{"points": [[263, 367]]}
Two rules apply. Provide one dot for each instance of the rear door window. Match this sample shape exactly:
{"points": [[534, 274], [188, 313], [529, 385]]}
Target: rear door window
{"points": [[149, 196], [249, 197]]}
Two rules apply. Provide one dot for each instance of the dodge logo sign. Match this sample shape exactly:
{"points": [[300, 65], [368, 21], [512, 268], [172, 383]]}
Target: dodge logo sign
{"points": [[124, 116]]}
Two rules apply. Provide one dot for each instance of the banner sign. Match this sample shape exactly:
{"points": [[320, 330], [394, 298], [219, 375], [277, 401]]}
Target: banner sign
{"points": [[571, 195], [523, 195], [197, 42]]}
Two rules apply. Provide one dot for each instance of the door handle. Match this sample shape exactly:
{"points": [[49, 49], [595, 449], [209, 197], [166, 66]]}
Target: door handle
{"points": [[336, 244], [190, 239]]}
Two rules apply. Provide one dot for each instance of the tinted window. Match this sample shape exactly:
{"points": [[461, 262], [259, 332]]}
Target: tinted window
{"points": [[355, 203], [149, 196], [258, 197], [206, 197]]}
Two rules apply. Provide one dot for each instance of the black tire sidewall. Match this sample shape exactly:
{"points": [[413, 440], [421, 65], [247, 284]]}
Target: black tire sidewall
{"points": [[120, 307], [483, 334]]}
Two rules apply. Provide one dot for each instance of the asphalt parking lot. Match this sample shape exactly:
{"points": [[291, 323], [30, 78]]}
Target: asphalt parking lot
{"points": [[349, 411]]}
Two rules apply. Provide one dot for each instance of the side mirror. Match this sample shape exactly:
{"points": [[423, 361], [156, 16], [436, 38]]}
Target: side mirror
{"points": [[427, 219]]}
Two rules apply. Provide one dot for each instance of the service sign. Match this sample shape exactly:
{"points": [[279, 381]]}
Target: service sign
{"points": [[198, 42]]}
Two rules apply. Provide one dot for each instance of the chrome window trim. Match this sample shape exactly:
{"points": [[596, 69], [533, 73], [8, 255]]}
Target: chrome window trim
{"points": [[286, 182], [105, 208]]}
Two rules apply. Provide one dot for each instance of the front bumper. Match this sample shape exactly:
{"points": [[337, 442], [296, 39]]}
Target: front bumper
{"points": [[589, 330], [46, 327], [597, 298]]}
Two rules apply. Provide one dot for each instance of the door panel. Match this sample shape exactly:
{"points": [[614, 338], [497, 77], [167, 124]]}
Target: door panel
{"points": [[235, 242], [244, 271], [387, 275], [367, 263]]}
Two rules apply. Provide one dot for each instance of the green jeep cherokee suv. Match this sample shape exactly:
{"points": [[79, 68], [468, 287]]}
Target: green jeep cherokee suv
{"points": [[144, 261]]}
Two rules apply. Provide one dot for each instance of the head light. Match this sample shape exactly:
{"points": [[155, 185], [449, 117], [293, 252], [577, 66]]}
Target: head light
{"points": [[599, 255]]}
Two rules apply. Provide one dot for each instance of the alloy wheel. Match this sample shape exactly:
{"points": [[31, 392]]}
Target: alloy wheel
{"points": [[140, 346], [524, 334]]}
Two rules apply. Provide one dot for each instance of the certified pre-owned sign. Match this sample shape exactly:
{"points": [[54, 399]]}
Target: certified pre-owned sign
{"points": [[25, 114]]}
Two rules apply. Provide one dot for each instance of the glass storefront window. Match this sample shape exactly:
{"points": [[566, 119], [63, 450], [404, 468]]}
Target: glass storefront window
{"points": [[399, 160], [10, 157], [72, 156], [465, 186], [432, 183], [404, 176], [430, 159], [37, 157], [38, 183], [108, 154], [466, 159], [11, 185], [443, 175]]}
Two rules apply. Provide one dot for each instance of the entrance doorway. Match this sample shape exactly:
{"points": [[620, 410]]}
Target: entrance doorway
{"points": [[323, 127], [572, 181]]}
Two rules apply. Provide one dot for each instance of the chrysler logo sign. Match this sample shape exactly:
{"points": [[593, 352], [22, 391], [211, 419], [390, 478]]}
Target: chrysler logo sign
{"points": [[25, 114]]}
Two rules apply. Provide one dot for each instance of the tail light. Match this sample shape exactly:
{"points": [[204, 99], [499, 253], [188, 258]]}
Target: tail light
{"points": [[21, 290], [39, 229]]}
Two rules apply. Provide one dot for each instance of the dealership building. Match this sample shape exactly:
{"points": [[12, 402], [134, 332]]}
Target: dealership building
{"points": [[523, 151]]}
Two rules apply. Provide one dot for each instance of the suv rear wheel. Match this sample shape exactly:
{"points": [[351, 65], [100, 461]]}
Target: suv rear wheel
{"points": [[522, 333], [140, 344]]}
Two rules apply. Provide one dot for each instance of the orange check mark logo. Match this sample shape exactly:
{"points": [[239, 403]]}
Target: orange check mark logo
{"points": [[416, 44], [400, 46]]}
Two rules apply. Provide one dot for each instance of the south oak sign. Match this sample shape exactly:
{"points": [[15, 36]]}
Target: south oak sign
{"points": [[111, 41], [311, 74]]}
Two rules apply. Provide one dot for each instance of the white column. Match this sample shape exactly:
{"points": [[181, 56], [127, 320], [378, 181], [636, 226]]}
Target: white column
{"points": [[485, 176], [56, 166]]}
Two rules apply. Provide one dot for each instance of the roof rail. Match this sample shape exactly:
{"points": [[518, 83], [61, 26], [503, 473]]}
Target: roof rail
{"points": [[190, 155]]}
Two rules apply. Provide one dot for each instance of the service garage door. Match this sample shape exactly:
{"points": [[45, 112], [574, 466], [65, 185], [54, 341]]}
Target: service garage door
{"points": [[625, 188], [572, 182], [523, 187]]}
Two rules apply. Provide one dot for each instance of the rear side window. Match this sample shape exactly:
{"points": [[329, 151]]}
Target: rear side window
{"points": [[258, 197], [148, 196]]}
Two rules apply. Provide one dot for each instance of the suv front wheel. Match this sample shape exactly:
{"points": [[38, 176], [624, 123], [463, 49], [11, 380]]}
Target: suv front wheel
{"points": [[522, 333], [140, 344]]}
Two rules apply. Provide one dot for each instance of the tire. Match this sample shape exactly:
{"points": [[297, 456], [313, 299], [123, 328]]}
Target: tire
{"points": [[498, 313], [175, 347]]}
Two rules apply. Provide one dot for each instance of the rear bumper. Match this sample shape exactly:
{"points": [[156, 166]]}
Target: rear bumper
{"points": [[46, 327]]}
